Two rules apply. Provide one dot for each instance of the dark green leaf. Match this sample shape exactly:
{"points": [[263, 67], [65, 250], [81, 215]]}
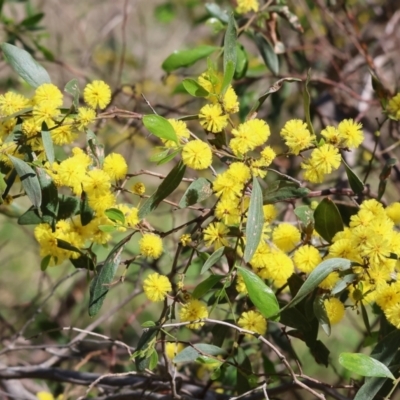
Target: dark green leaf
{"points": [[204, 287], [194, 88], [364, 365], [186, 58], [72, 87], [385, 351], [307, 103], [100, 283], [212, 260], [283, 191], [295, 319], [260, 294], [255, 221], [242, 62], [32, 20], [45, 262], [169, 184], [62, 244], [273, 89], [328, 220], [29, 180], [160, 127], [321, 315], [86, 212], [144, 348], [30, 217], [365, 318], [354, 181], [50, 203], [192, 353], [244, 372], [68, 206], [318, 275], [270, 58], [197, 191], [230, 53], [216, 11], [25, 66], [83, 261], [115, 215], [48, 145]]}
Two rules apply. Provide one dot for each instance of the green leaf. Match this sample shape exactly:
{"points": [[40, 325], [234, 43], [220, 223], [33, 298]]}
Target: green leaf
{"points": [[145, 348], [307, 103], [317, 275], [169, 157], [270, 58], [255, 221], [45, 262], [216, 11], [165, 13], [354, 181], [283, 191], [148, 324], [159, 156], [68, 206], [230, 53], [107, 228], [32, 20], [321, 315], [48, 145], [194, 88], [328, 220], [197, 191], [99, 284], [295, 319], [83, 262], [212, 260], [29, 180], [305, 214], [25, 66], [364, 365], [72, 87], [115, 215], [186, 58], [153, 360], [260, 294], [50, 202], [273, 89], [169, 184], [365, 318], [242, 62], [30, 217], [189, 354], [160, 127], [385, 351], [62, 244], [204, 287], [86, 212]]}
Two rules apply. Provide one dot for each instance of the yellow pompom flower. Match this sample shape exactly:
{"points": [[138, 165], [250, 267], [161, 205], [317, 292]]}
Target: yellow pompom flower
{"points": [[172, 349], [97, 94], [267, 155], [239, 172], [253, 321], [45, 112], [392, 314], [115, 166], [63, 134], [331, 135], [296, 135], [351, 133], [278, 266], [240, 285], [212, 118], [151, 245], [132, 216], [193, 310], [11, 103], [270, 213], [228, 210], [156, 287], [334, 310], [96, 183], [393, 212], [185, 239], [286, 236], [330, 281], [393, 107], [230, 101], [197, 154], [388, 295], [215, 234], [47, 92], [181, 130], [244, 6], [139, 188], [306, 258], [86, 116], [227, 187]]}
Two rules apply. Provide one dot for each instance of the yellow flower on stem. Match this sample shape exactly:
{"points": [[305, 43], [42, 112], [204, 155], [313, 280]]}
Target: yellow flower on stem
{"points": [[253, 321], [197, 154], [97, 94], [334, 310], [193, 310], [115, 166], [212, 118], [215, 234], [151, 245], [156, 287]]}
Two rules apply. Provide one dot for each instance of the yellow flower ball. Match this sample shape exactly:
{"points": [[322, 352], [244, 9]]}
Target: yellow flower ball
{"points": [[151, 245], [253, 321], [115, 166], [286, 236], [197, 155], [193, 310], [156, 287], [334, 310], [97, 94]]}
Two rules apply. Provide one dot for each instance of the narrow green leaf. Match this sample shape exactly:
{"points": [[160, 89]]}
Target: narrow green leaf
{"points": [[83, 262], [307, 103], [169, 157], [48, 145], [354, 181], [189, 354], [216, 11], [68, 206], [159, 156], [365, 318], [160, 127], [283, 191], [45, 262], [242, 62], [230, 53], [270, 58], [273, 89], [169, 184], [144, 348], [29, 180], [186, 58], [25, 66], [32, 20], [3, 184], [212, 260], [364, 365], [107, 228], [197, 191], [255, 221], [194, 88], [30, 217], [62, 244], [260, 294], [317, 276], [153, 360], [72, 88], [204, 287], [115, 215], [99, 284], [328, 220], [321, 315], [50, 202], [385, 351], [148, 324], [86, 212]]}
